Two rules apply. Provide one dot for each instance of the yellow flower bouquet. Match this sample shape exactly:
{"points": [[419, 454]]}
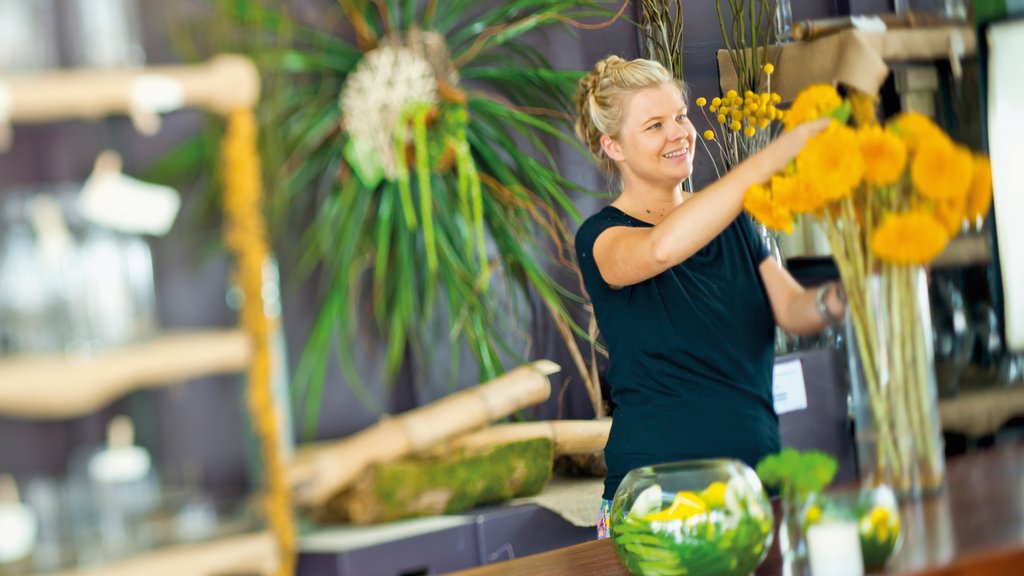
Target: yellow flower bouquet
{"points": [[889, 198]]}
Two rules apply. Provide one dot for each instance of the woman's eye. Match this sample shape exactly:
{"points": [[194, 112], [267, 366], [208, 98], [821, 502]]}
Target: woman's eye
{"points": [[681, 117], [654, 126]]}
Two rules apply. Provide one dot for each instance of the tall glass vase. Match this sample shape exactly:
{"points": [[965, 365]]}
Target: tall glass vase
{"points": [[771, 242], [889, 334]]}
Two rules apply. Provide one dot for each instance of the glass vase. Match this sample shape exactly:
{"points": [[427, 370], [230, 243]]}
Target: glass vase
{"points": [[700, 518], [889, 335], [792, 544]]}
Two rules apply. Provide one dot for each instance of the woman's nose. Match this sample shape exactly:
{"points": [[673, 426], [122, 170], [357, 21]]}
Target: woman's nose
{"points": [[679, 133]]}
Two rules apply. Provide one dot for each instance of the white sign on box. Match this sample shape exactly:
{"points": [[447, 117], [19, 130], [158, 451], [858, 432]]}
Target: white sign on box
{"points": [[119, 202], [788, 390]]}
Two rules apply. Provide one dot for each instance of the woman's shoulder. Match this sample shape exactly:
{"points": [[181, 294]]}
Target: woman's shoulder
{"points": [[603, 219]]}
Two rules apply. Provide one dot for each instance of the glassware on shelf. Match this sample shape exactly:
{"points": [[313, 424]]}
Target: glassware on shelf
{"points": [[67, 286], [28, 35], [700, 517], [950, 334], [782, 22], [107, 34]]}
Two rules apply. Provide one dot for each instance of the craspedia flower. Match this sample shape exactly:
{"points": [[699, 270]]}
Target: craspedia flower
{"points": [[979, 197], [709, 135], [716, 101], [827, 159], [884, 154], [816, 101], [749, 131], [721, 118], [386, 81], [941, 170], [914, 127], [735, 126], [769, 68], [759, 203], [701, 101], [914, 237]]}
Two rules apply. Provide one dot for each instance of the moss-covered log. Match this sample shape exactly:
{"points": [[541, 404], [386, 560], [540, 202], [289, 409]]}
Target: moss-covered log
{"points": [[446, 483]]}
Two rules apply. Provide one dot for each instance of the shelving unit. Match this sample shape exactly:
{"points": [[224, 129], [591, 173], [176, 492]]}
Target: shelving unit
{"points": [[59, 387]]}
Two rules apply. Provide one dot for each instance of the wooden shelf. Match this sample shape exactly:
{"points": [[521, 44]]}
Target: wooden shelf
{"points": [[247, 554], [57, 386]]}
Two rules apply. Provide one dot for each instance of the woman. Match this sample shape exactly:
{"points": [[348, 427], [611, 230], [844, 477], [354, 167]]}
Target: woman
{"points": [[684, 292]]}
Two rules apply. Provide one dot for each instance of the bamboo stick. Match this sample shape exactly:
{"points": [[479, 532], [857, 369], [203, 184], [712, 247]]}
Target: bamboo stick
{"points": [[568, 436], [320, 471]]}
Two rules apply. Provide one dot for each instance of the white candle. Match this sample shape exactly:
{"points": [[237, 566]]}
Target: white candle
{"points": [[834, 548]]}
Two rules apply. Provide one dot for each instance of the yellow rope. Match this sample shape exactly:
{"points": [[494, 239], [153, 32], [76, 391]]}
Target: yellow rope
{"points": [[246, 238]]}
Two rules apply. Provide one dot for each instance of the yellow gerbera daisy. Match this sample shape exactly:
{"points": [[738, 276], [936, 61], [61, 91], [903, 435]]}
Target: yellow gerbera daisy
{"points": [[979, 198], [758, 202], [885, 155], [914, 127], [831, 159], [816, 101], [914, 237], [798, 195], [951, 212], [941, 170]]}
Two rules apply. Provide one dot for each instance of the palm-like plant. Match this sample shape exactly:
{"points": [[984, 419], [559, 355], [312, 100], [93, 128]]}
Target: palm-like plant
{"points": [[432, 184]]}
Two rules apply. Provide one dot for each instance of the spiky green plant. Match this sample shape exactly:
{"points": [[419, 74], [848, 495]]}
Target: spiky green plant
{"points": [[473, 203]]}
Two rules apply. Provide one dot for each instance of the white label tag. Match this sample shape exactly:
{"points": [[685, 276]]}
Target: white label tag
{"points": [[157, 93], [788, 388]]}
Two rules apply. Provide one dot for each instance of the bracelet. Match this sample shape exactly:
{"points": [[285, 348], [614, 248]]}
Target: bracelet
{"points": [[819, 303]]}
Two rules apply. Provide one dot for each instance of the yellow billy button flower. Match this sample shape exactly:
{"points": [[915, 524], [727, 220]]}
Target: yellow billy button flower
{"points": [[709, 134], [941, 170], [730, 94], [762, 123], [716, 101], [749, 131], [701, 101], [735, 126], [769, 68], [721, 118], [816, 101], [885, 155], [914, 237]]}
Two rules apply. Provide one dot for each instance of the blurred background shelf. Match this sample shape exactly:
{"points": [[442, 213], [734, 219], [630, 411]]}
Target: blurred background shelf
{"points": [[59, 386]]}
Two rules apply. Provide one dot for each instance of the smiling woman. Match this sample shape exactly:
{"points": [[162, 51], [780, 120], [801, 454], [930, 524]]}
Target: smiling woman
{"points": [[684, 293]]}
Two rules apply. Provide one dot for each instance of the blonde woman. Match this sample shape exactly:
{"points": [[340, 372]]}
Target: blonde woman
{"points": [[685, 294]]}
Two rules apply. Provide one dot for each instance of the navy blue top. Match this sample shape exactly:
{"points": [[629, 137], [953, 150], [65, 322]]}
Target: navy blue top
{"points": [[691, 352]]}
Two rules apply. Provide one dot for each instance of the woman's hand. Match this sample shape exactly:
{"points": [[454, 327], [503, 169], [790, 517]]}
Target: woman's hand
{"points": [[776, 156]]}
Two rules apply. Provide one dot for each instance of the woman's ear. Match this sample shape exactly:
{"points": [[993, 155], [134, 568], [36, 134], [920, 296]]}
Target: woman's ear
{"points": [[611, 148]]}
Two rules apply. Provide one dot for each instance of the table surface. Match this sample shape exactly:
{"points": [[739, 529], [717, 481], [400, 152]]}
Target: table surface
{"points": [[976, 526]]}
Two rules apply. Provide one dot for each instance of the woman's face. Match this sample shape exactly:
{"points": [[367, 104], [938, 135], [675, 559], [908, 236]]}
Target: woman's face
{"points": [[657, 139]]}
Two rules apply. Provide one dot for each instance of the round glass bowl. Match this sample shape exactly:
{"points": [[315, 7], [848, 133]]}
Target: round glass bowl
{"points": [[876, 514], [696, 518]]}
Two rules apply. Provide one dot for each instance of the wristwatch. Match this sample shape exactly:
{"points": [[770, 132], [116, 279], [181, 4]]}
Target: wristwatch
{"points": [[822, 306]]}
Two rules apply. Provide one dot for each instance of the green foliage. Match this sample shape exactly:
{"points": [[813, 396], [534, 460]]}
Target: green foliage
{"points": [[431, 249], [797, 474]]}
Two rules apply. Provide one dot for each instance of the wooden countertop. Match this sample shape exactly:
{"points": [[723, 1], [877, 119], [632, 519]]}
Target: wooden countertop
{"points": [[975, 527]]}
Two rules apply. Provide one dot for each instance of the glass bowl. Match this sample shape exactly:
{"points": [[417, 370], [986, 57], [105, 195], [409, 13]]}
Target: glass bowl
{"points": [[697, 518], [876, 513]]}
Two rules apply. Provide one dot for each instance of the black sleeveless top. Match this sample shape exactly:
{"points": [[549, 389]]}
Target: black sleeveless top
{"points": [[691, 353]]}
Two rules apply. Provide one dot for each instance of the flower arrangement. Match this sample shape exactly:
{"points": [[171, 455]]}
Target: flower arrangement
{"points": [[719, 530], [889, 198]]}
